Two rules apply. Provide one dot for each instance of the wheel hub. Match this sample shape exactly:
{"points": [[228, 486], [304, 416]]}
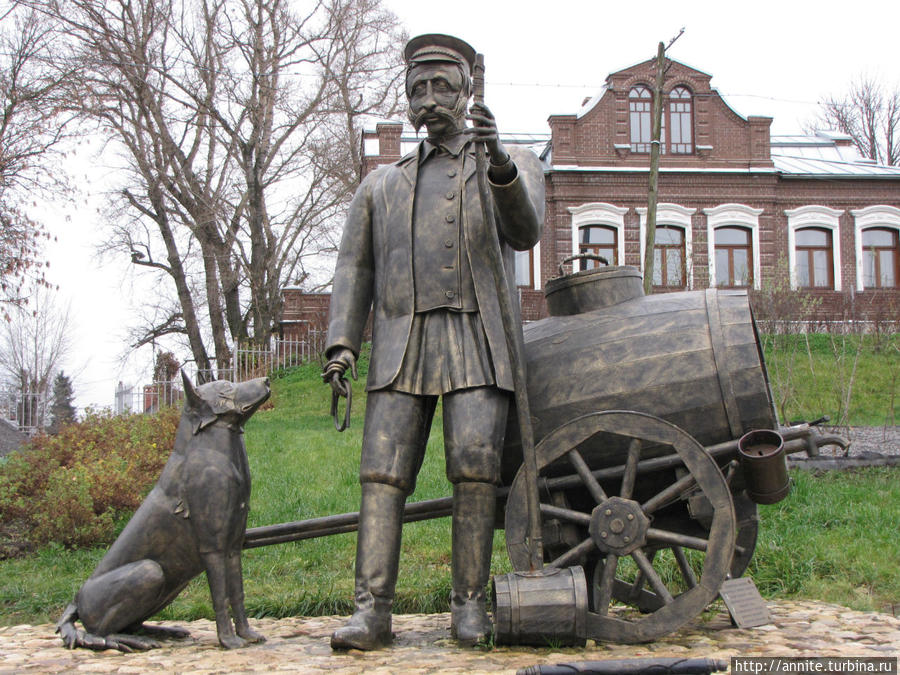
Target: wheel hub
{"points": [[618, 526]]}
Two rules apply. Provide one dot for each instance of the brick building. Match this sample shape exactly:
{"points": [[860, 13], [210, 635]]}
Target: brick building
{"points": [[737, 206]]}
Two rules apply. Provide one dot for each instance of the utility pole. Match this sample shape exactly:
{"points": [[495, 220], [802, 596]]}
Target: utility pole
{"points": [[656, 133]]}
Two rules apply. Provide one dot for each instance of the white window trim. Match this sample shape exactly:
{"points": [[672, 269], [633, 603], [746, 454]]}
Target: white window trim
{"points": [[863, 219], [678, 216], [600, 213], [739, 215], [535, 264], [814, 216]]}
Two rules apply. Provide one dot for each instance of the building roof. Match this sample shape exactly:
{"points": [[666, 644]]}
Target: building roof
{"points": [[827, 153]]}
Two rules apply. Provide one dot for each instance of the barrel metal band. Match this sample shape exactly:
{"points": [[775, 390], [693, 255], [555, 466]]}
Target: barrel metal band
{"points": [[720, 356]]}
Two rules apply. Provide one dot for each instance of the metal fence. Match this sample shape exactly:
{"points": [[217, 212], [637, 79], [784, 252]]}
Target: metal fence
{"points": [[249, 362], [28, 410], [148, 398]]}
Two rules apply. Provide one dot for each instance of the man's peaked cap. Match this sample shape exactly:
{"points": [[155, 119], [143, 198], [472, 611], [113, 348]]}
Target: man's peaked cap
{"points": [[438, 47]]}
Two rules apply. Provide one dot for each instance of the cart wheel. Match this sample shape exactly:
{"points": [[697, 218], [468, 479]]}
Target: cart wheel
{"points": [[636, 521]]}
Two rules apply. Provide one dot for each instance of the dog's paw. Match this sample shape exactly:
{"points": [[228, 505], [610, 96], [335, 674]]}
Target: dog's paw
{"points": [[251, 635], [232, 641]]}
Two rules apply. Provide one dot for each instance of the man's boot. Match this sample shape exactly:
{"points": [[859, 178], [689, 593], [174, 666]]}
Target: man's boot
{"points": [[473, 537], [377, 558]]}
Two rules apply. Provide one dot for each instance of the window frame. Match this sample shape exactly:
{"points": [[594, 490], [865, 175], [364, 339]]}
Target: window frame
{"points": [[664, 259], [668, 214], [600, 214], [534, 267], [730, 250], [670, 102], [808, 252], [733, 215], [590, 248], [821, 217], [638, 147], [879, 216], [894, 249]]}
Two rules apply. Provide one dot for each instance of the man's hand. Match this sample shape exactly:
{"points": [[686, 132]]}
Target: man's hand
{"points": [[341, 361], [484, 130]]}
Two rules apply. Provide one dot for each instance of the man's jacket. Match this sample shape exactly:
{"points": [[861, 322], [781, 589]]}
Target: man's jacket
{"points": [[375, 262]]}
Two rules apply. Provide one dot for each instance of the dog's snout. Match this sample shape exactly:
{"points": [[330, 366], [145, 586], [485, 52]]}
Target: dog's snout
{"points": [[266, 381]]}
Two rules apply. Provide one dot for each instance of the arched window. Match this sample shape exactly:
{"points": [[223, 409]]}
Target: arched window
{"points": [[734, 257], [881, 257], [598, 240], [668, 257], [680, 122], [640, 102], [814, 244], [815, 262], [876, 231]]}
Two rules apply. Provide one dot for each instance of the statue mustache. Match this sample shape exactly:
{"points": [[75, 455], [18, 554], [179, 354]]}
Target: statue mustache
{"points": [[418, 119]]}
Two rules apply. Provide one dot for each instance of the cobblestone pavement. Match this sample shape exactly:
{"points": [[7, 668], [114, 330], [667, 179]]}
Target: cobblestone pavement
{"points": [[423, 645]]}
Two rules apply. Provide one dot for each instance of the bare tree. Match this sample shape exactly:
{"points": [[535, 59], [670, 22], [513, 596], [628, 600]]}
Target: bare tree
{"points": [[31, 132], [33, 346], [226, 113], [869, 112]]}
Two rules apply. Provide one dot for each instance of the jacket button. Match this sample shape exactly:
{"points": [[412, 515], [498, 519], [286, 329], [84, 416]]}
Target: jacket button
{"points": [[448, 243], [451, 173], [451, 194], [450, 294], [450, 218]]}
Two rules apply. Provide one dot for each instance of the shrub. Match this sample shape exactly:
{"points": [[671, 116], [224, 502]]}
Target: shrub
{"points": [[72, 488]]}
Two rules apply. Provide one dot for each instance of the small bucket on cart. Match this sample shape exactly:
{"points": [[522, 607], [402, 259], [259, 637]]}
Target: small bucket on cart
{"points": [[541, 608], [764, 464]]}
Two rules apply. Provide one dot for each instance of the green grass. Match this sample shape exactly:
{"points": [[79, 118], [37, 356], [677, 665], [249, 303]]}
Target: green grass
{"points": [[835, 538], [811, 375]]}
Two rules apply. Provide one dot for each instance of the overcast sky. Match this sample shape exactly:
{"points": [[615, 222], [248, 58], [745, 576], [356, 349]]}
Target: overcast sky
{"points": [[766, 58]]}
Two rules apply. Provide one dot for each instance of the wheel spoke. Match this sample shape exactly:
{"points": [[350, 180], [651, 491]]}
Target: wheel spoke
{"points": [[587, 477], [566, 514], [677, 539], [634, 455], [684, 566], [573, 554], [661, 498], [605, 586], [638, 584], [652, 577]]}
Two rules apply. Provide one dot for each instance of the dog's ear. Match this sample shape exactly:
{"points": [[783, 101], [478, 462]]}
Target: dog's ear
{"points": [[199, 410], [191, 395]]}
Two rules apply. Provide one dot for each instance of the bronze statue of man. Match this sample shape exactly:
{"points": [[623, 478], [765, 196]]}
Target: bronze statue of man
{"points": [[416, 250]]}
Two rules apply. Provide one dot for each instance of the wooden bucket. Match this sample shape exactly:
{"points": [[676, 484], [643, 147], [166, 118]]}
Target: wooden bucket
{"points": [[692, 358], [543, 608]]}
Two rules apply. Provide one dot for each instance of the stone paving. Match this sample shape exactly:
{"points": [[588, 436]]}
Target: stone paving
{"points": [[423, 645]]}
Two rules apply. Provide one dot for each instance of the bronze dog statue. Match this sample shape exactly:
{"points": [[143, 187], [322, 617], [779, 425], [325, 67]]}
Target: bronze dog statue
{"points": [[193, 520]]}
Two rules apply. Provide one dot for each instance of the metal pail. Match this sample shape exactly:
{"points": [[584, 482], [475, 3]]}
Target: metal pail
{"points": [[593, 289], [764, 464], [542, 608]]}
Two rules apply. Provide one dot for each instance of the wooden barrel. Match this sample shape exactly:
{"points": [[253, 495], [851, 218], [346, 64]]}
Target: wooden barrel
{"points": [[549, 607], [692, 358]]}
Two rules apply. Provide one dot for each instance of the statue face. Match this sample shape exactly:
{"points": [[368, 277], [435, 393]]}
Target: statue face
{"points": [[434, 91]]}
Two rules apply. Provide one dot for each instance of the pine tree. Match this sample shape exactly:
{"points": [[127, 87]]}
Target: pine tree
{"points": [[62, 409]]}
